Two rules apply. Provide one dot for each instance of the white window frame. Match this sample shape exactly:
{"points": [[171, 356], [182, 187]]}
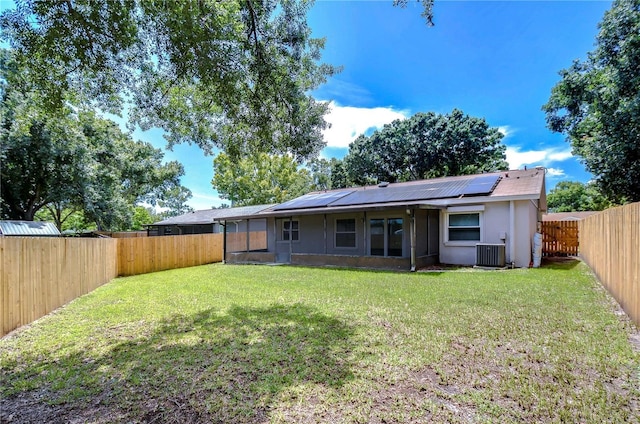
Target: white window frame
{"points": [[464, 210], [354, 232]]}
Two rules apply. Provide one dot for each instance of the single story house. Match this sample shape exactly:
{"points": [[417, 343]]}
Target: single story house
{"points": [[486, 219], [28, 229], [209, 221]]}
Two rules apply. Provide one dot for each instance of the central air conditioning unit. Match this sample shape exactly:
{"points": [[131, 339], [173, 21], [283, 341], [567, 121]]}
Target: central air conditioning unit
{"points": [[490, 255]]}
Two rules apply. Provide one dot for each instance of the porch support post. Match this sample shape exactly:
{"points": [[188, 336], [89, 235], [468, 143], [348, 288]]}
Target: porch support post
{"points": [[366, 226], [325, 232], [290, 237], [248, 222], [412, 234], [224, 242]]}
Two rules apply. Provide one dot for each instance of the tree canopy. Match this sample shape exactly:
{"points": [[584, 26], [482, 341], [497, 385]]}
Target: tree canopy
{"points": [[573, 196], [427, 145], [72, 159], [596, 104], [231, 74], [261, 179]]}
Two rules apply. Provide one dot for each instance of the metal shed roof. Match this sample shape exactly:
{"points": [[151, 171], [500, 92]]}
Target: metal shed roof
{"points": [[208, 216], [28, 228]]}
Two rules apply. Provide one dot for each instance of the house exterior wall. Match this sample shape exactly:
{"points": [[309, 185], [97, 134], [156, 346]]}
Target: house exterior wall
{"points": [[495, 224], [494, 221], [527, 217]]}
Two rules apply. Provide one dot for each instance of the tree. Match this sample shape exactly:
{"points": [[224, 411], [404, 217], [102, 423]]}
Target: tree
{"points": [[427, 145], [427, 9], [232, 74], [259, 180], [72, 160], [573, 196], [596, 104]]}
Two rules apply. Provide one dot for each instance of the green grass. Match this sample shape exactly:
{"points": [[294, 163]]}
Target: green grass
{"points": [[225, 343]]}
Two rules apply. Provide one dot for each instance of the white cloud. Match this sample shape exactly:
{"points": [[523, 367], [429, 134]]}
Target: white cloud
{"points": [[506, 130], [201, 201], [348, 122], [518, 158], [555, 172]]}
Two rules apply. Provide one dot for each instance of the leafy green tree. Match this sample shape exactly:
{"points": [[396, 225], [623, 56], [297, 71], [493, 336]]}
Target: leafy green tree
{"points": [[328, 174], [259, 180], [72, 160], [427, 145], [65, 218], [174, 200], [573, 196], [596, 104], [232, 74], [143, 216]]}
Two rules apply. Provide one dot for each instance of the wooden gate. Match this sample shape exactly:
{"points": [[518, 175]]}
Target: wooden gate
{"points": [[560, 238]]}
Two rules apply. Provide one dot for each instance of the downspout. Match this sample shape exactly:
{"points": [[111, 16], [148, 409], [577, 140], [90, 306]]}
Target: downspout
{"points": [[412, 235], [512, 232], [224, 242]]}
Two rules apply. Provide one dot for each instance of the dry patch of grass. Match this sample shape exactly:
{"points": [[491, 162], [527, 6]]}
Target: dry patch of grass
{"points": [[260, 344]]}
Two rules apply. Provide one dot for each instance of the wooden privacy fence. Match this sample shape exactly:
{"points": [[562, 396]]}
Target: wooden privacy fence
{"points": [[560, 238], [38, 275], [140, 255], [610, 245]]}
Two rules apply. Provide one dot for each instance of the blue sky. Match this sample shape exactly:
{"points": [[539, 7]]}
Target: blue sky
{"points": [[490, 59]]}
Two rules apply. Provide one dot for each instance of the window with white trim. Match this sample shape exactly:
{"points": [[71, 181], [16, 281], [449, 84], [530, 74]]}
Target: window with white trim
{"points": [[346, 232], [290, 230], [463, 226]]}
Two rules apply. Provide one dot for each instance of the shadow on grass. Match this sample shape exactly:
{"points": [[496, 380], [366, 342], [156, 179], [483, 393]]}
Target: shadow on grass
{"points": [[563, 263], [209, 367]]}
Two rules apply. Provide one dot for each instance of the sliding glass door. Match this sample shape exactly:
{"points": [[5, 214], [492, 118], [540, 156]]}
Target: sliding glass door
{"points": [[385, 236]]}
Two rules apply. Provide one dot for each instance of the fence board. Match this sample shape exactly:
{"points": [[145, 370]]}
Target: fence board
{"points": [[38, 275], [610, 245]]}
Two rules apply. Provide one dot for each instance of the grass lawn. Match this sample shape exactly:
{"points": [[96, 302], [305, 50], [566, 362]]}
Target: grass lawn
{"points": [[235, 344]]}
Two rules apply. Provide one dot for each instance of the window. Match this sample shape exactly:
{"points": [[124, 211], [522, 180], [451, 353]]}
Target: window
{"points": [[290, 230], [346, 232], [464, 226]]}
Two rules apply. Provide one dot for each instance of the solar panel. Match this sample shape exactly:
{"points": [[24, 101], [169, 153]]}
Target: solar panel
{"points": [[411, 192], [313, 200], [483, 184]]}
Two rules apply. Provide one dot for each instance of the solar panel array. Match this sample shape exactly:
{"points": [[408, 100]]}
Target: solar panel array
{"points": [[427, 190], [314, 200]]}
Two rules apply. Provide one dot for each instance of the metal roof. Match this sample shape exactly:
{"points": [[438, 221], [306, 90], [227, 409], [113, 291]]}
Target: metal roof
{"points": [[28, 228], [208, 216]]}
